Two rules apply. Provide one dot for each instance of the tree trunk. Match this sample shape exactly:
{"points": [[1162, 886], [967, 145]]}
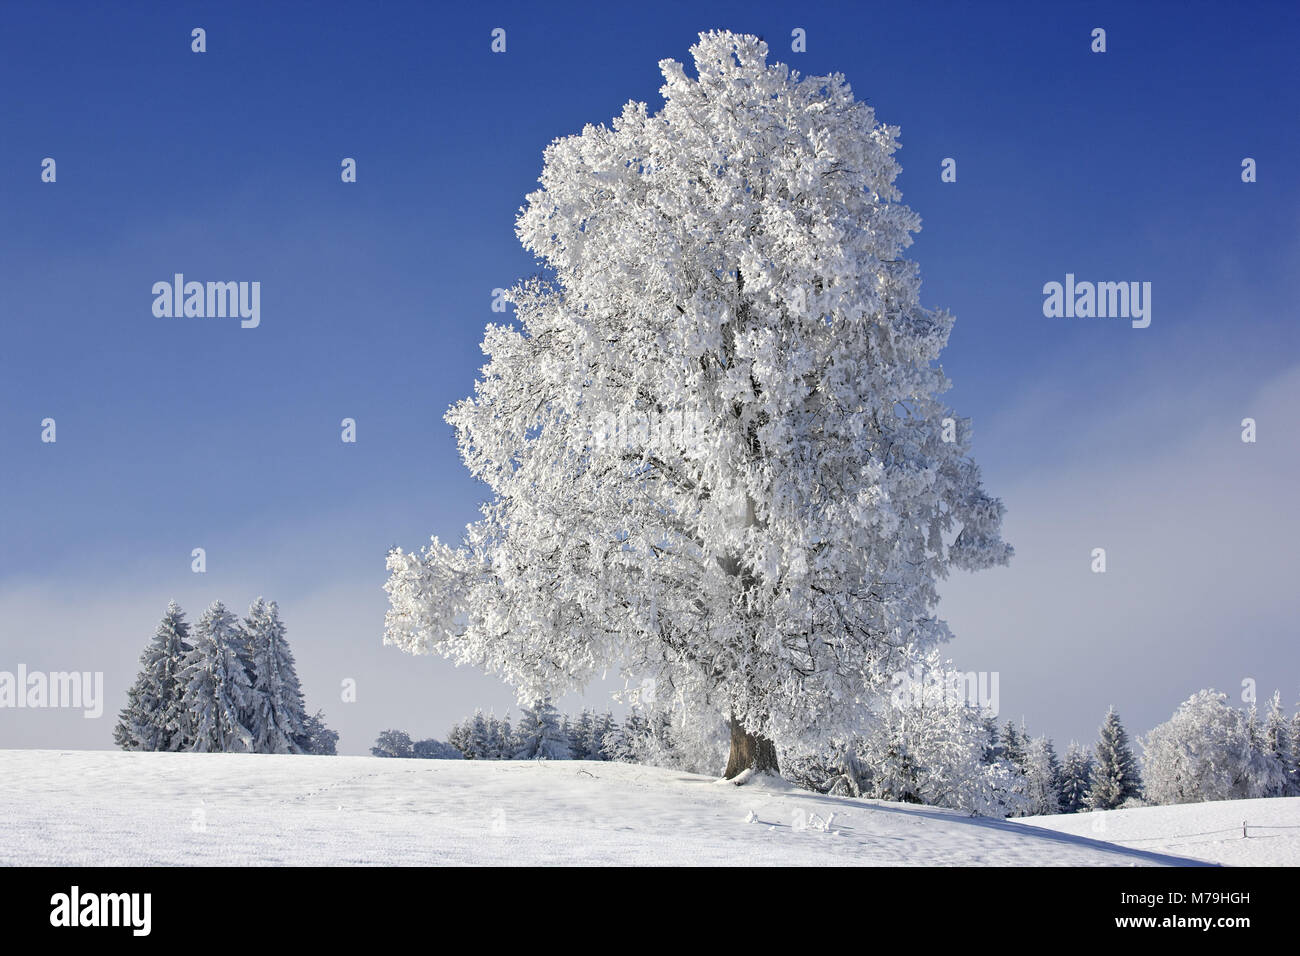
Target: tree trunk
{"points": [[749, 751]]}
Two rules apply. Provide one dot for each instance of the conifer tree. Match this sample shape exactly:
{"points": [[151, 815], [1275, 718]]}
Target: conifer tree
{"points": [[1043, 777], [580, 733], [1076, 774], [539, 735], [278, 719], [218, 691], [615, 743], [1013, 745], [1115, 776], [993, 749], [155, 717], [317, 738]]}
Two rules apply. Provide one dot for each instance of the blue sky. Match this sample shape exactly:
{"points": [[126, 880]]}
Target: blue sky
{"points": [[182, 433]]}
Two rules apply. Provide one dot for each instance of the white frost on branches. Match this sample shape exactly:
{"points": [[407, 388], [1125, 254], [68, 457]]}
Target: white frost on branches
{"points": [[713, 439]]}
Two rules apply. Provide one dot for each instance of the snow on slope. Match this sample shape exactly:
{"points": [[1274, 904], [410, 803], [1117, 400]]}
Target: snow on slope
{"points": [[1207, 831], [110, 808]]}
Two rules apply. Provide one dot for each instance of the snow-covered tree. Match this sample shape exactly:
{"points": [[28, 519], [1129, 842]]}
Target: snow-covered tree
{"points": [[993, 749], [393, 743], [155, 717], [1203, 752], [503, 739], [218, 690], [677, 738], [1076, 774], [580, 733], [480, 744], [930, 746], [1013, 745], [431, 749], [650, 738], [615, 744], [1115, 775], [1042, 777], [1294, 766], [317, 738], [1267, 773], [926, 744], [714, 439], [539, 736], [278, 718], [458, 737], [602, 727]]}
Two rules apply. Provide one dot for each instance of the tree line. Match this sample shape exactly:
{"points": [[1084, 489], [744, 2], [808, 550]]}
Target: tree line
{"points": [[543, 733], [226, 686], [929, 751], [1208, 750]]}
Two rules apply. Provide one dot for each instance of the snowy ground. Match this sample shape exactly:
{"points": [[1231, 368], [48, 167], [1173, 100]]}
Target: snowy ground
{"points": [[1206, 831], [110, 808]]}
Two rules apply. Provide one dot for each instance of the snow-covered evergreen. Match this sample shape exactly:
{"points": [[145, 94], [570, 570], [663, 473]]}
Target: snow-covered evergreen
{"points": [[581, 736], [1115, 774], [218, 690], [278, 719], [1076, 776], [539, 734], [318, 739], [1042, 777], [1295, 750], [1280, 749], [615, 744], [600, 746], [155, 717], [993, 748], [221, 687], [1013, 743]]}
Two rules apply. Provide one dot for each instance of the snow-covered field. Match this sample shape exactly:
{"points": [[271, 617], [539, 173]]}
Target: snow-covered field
{"points": [[1207, 831], [112, 808]]}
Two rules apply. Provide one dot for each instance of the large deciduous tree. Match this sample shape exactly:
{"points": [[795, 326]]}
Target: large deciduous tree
{"points": [[713, 435]]}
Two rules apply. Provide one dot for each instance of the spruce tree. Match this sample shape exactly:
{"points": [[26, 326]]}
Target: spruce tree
{"points": [[1115, 776], [540, 734], [317, 738], [1013, 745], [581, 735], [480, 744], [278, 718], [1295, 751], [458, 737], [614, 744], [1076, 773], [154, 717], [503, 743], [601, 729], [218, 690], [993, 749], [1043, 777]]}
